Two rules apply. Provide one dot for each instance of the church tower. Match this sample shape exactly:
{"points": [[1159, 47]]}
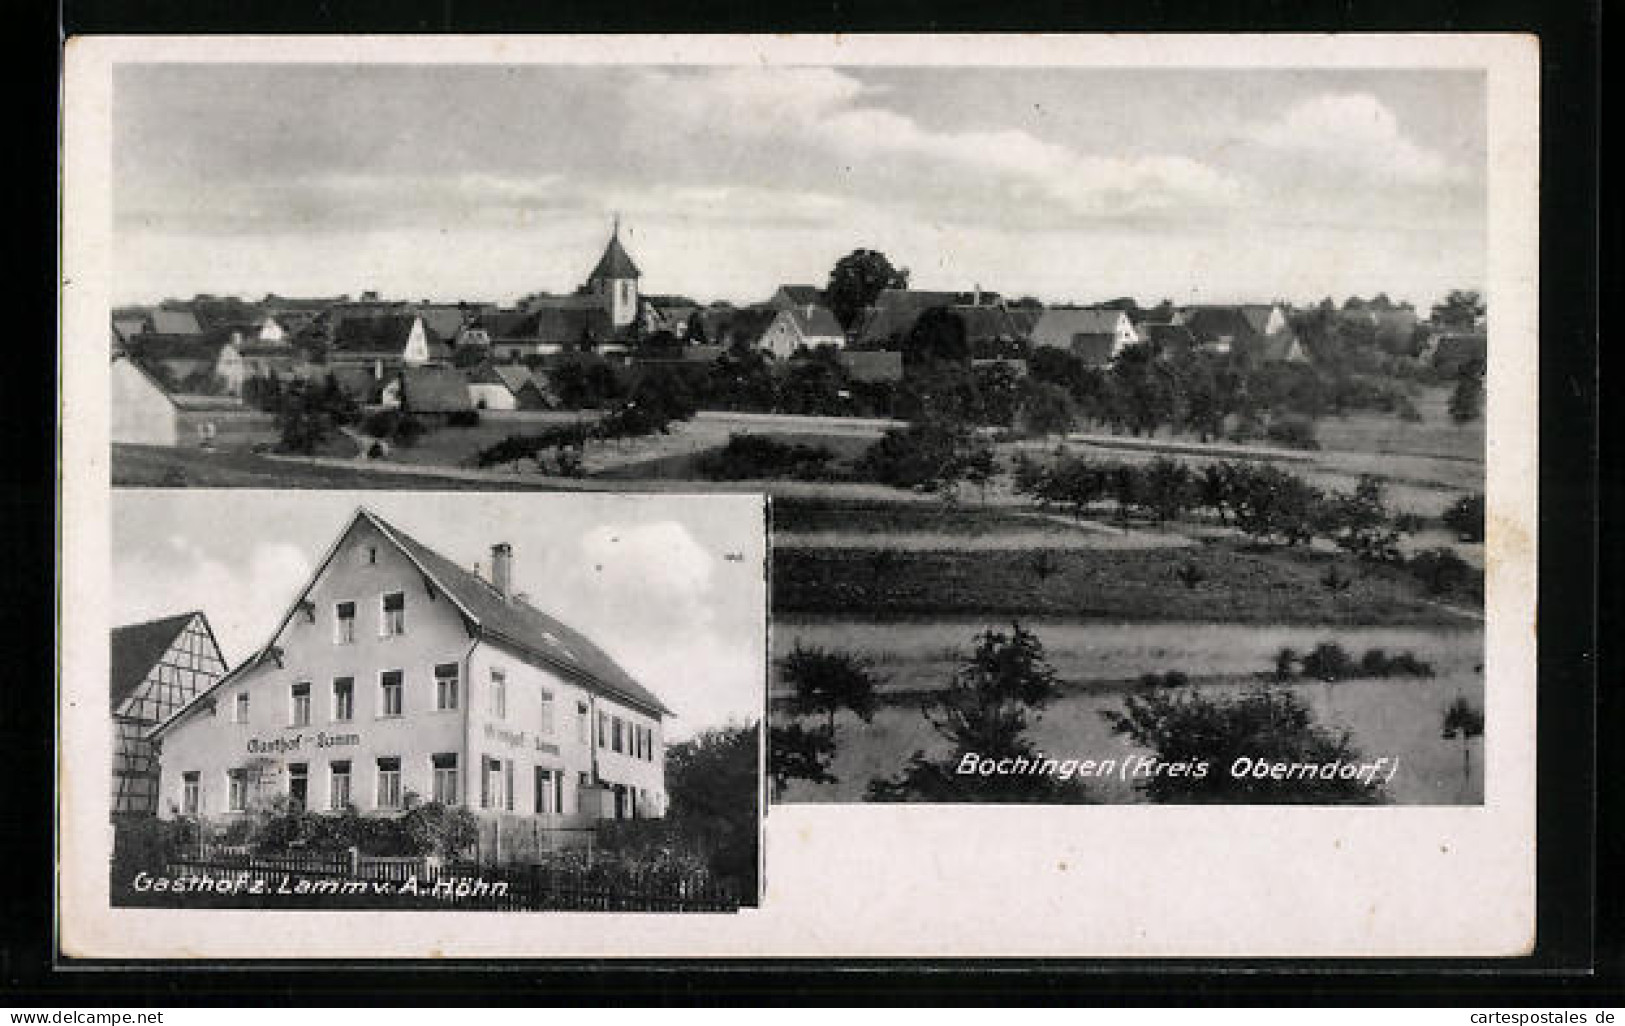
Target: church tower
{"points": [[615, 281]]}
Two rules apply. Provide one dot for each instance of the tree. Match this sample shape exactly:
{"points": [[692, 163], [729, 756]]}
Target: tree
{"points": [[1465, 516], [1460, 309], [1464, 720], [996, 693], [1359, 521], [695, 334], [1046, 409], [1167, 488], [1467, 399], [855, 281], [829, 681], [797, 753], [715, 794], [937, 337], [1229, 737], [1270, 503]]}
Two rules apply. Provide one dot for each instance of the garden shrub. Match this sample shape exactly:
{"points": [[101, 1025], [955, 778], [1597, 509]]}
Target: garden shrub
{"points": [[1441, 570]]}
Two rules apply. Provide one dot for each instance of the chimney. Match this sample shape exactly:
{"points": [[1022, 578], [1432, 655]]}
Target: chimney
{"points": [[502, 568]]}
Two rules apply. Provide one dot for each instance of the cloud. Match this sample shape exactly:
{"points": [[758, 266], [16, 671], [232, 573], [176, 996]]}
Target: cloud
{"points": [[243, 599], [1356, 132], [648, 594], [823, 121]]}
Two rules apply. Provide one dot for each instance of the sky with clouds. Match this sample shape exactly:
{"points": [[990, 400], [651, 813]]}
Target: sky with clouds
{"points": [[1072, 184], [670, 586]]}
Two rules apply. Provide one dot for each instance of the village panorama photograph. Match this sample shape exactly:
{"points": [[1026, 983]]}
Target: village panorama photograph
{"points": [[1122, 428], [443, 701]]}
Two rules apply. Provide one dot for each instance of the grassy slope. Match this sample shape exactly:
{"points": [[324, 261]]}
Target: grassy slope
{"points": [[1128, 586]]}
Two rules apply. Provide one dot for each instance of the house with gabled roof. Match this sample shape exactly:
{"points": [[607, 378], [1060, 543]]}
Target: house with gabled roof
{"points": [[1095, 336], [1256, 331], [155, 669], [789, 297], [507, 386], [798, 327], [166, 321], [396, 671], [435, 391], [386, 342]]}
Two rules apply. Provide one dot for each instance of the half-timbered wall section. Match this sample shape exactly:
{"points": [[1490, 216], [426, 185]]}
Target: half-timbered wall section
{"points": [[157, 667]]}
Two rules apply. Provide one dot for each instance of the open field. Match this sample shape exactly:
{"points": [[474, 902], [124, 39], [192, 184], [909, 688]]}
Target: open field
{"points": [[1122, 585]]}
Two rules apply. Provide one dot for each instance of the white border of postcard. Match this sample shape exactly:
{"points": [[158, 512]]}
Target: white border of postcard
{"points": [[888, 880]]}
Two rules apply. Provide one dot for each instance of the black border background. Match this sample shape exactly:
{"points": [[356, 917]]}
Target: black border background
{"points": [[1565, 970]]}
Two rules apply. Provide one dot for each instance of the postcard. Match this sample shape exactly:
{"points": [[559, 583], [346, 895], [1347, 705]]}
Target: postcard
{"points": [[844, 496]]}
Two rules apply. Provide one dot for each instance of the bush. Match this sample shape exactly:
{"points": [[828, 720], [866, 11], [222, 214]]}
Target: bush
{"points": [[1465, 516], [1441, 571], [925, 454], [1265, 724], [757, 457], [1293, 432], [1328, 661], [463, 418]]}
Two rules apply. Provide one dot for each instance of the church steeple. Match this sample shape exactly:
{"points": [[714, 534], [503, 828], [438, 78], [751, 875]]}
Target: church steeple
{"points": [[616, 280]]}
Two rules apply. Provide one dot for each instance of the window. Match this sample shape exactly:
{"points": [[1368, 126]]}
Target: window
{"points": [[394, 619], [338, 790], [299, 714], [239, 711], [582, 720], [298, 785], [372, 554], [344, 623], [491, 784], [343, 699], [445, 686], [603, 730], [389, 782], [507, 785], [190, 803], [615, 733], [499, 695], [445, 778], [389, 699], [545, 723], [236, 790], [549, 791]]}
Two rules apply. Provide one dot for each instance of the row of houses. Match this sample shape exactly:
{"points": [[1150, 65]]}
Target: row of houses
{"points": [[373, 345], [394, 671]]}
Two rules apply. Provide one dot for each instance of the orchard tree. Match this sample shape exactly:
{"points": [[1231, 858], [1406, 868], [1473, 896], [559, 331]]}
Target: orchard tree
{"points": [[855, 281], [996, 694], [828, 681]]}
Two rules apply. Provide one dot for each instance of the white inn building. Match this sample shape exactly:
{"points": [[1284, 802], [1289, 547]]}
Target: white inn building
{"points": [[396, 671]]}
